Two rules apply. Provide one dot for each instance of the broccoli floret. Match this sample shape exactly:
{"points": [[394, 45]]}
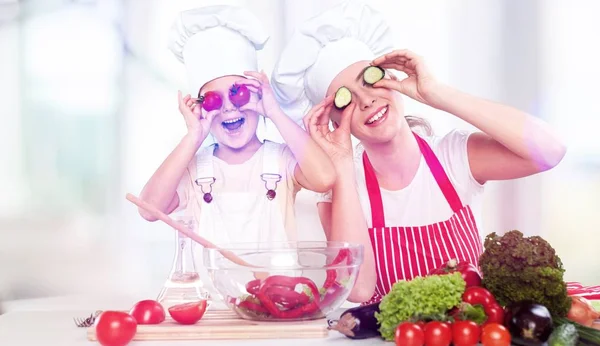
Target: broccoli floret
{"points": [[516, 269]]}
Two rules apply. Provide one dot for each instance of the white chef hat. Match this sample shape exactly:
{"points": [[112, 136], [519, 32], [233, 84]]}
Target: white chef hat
{"points": [[216, 41], [322, 47]]}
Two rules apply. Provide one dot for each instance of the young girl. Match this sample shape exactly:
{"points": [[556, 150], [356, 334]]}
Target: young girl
{"points": [[238, 189], [405, 194]]}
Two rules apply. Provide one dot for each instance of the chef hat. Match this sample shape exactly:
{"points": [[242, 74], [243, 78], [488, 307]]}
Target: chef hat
{"points": [[216, 41], [322, 47]]}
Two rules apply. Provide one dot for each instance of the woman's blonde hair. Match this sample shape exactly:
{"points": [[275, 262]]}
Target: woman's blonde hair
{"points": [[417, 123]]}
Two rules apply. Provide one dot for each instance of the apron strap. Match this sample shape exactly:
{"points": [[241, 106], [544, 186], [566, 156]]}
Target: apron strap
{"points": [[377, 217], [270, 174], [270, 158], [205, 176], [439, 174]]}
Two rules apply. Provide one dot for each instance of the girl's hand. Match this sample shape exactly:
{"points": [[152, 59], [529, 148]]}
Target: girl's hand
{"points": [[420, 83], [196, 119], [337, 143], [266, 104]]}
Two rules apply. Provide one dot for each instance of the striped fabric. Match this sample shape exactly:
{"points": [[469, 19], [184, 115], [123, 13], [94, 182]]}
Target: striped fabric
{"points": [[588, 292], [402, 253]]}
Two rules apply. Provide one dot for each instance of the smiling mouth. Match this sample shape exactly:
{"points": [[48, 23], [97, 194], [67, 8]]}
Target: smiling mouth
{"points": [[377, 116], [233, 124]]}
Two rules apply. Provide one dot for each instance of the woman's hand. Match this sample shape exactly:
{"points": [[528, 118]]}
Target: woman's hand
{"points": [[266, 104], [420, 84], [337, 143], [197, 123]]}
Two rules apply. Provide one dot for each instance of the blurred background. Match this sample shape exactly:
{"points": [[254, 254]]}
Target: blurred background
{"points": [[88, 103]]}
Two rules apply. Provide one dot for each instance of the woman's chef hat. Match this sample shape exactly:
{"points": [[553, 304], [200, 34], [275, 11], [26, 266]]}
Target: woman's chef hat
{"points": [[322, 47], [216, 41]]}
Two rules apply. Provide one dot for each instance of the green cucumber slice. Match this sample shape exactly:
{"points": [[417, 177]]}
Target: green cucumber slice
{"points": [[373, 74], [343, 97]]}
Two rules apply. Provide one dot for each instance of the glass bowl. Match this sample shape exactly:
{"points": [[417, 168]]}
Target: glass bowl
{"points": [[279, 281]]}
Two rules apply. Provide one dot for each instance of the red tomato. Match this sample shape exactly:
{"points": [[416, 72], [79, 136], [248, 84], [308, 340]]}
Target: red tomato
{"points": [[478, 295], [438, 334], [148, 312], [115, 328], [495, 334], [465, 333], [494, 313], [239, 95], [421, 324], [468, 271], [212, 100], [188, 313], [409, 334]]}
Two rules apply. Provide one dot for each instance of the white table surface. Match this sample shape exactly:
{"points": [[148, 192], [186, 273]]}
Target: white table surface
{"points": [[50, 322]]}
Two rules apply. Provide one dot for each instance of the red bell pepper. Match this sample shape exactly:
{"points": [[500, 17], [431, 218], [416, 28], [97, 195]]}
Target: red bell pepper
{"points": [[480, 306], [469, 272]]}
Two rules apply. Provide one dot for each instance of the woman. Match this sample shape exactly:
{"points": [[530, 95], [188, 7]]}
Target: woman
{"points": [[413, 191], [238, 189]]}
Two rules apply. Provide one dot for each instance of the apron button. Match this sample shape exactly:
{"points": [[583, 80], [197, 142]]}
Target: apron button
{"points": [[207, 197], [271, 194]]}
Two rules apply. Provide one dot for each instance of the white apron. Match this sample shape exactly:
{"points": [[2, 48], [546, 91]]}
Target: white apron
{"points": [[238, 217]]}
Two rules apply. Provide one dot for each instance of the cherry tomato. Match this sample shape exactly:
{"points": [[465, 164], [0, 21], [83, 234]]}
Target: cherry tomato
{"points": [[465, 333], [188, 313], [239, 95], [115, 328], [467, 270], [409, 334], [494, 313], [438, 334], [495, 334], [148, 312], [421, 324], [212, 100], [478, 295]]}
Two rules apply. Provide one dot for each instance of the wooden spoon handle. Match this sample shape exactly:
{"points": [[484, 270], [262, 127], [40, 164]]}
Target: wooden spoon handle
{"points": [[181, 228]]}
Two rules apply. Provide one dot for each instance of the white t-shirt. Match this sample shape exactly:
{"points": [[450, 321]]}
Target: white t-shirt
{"points": [[422, 202], [244, 177]]}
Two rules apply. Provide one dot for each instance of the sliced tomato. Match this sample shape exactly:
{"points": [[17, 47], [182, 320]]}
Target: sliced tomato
{"points": [[115, 328], [188, 313]]}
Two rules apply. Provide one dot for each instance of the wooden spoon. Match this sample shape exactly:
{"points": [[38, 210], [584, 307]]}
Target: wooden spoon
{"points": [[181, 228]]}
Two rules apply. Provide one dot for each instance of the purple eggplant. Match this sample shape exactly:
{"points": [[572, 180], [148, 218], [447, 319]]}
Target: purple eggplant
{"points": [[358, 322]]}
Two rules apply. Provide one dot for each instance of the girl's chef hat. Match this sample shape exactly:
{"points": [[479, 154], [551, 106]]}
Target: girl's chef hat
{"points": [[216, 41], [322, 47]]}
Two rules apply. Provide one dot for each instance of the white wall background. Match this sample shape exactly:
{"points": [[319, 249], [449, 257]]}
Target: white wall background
{"points": [[88, 108]]}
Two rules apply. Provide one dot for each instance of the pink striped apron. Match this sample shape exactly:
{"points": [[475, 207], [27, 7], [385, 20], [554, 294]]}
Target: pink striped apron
{"points": [[402, 253]]}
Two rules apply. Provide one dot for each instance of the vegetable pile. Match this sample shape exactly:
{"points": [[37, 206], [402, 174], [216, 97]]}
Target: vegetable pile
{"points": [[422, 297], [516, 268], [520, 299]]}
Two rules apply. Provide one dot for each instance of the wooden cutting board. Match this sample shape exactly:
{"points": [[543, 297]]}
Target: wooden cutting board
{"points": [[225, 324]]}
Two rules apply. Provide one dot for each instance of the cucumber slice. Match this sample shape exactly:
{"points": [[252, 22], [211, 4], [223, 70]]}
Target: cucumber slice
{"points": [[343, 97], [373, 74]]}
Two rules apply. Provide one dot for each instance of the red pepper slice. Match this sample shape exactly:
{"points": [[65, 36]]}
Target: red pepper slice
{"points": [[286, 297], [332, 273], [290, 282], [253, 286], [252, 306]]}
